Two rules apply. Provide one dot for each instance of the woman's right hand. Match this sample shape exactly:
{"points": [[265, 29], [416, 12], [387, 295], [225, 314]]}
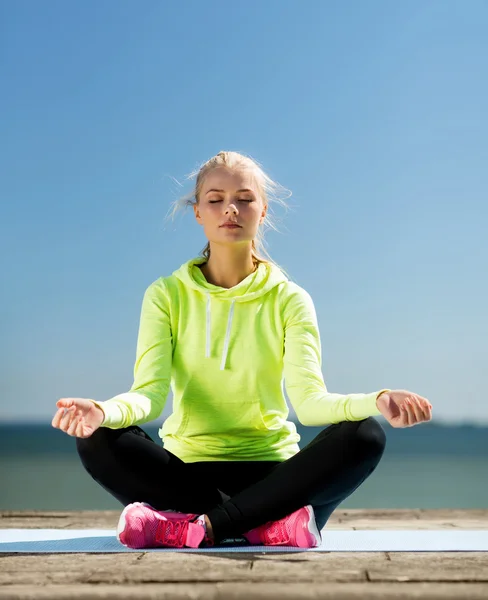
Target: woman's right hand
{"points": [[78, 417]]}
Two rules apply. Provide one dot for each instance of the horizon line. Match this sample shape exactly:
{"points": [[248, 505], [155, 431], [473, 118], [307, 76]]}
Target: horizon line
{"points": [[435, 423]]}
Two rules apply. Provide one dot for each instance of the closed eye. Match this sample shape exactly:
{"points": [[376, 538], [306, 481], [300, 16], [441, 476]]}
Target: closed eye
{"points": [[241, 199]]}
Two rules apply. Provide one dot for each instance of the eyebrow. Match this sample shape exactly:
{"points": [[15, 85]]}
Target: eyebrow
{"points": [[222, 191]]}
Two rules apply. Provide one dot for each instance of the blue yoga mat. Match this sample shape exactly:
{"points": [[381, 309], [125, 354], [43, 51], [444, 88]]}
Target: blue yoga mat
{"points": [[105, 540]]}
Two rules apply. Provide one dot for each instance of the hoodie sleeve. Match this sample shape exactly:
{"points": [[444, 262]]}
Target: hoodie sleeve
{"points": [[304, 382], [147, 397]]}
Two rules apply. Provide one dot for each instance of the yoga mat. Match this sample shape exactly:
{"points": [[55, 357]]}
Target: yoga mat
{"points": [[105, 540]]}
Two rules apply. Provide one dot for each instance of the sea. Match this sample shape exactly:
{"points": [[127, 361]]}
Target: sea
{"points": [[425, 466]]}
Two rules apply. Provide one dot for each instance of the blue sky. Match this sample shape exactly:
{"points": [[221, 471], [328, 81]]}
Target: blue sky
{"points": [[372, 113]]}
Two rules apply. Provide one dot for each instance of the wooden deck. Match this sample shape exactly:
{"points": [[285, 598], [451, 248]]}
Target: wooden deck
{"points": [[225, 576]]}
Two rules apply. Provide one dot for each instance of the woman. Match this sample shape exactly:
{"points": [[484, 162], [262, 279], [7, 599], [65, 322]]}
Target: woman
{"points": [[223, 330]]}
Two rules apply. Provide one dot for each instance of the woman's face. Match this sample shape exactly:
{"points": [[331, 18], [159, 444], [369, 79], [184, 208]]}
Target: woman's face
{"points": [[229, 196]]}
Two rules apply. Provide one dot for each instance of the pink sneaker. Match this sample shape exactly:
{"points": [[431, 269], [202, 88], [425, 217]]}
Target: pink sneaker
{"points": [[142, 526], [298, 529]]}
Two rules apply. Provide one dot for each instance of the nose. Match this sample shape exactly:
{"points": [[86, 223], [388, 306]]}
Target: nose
{"points": [[231, 207]]}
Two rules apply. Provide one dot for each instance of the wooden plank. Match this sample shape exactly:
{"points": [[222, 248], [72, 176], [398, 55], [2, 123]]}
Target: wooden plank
{"points": [[377, 518], [421, 574], [246, 591]]}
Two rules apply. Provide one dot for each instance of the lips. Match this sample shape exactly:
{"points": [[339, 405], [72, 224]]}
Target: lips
{"points": [[230, 225]]}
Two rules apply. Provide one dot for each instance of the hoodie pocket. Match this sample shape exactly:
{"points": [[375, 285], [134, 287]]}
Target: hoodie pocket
{"points": [[243, 418]]}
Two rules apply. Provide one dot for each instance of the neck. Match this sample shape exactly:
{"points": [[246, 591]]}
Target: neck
{"points": [[227, 269]]}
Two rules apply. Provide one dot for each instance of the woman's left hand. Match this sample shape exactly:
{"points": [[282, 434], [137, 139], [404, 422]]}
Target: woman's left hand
{"points": [[402, 408]]}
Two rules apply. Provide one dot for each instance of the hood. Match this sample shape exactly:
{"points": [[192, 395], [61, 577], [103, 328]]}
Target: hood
{"points": [[258, 283]]}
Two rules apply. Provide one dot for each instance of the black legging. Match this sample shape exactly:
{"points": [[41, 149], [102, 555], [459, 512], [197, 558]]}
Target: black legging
{"points": [[235, 495]]}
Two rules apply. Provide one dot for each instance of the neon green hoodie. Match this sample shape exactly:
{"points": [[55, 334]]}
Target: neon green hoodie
{"points": [[225, 353]]}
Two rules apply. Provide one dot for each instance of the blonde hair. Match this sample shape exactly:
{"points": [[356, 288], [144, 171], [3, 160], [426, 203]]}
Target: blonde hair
{"points": [[268, 190]]}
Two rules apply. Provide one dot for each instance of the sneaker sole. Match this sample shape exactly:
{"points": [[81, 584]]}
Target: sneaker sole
{"points": [[312, 526]]}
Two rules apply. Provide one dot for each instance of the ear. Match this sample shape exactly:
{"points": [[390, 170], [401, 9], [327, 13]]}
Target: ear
{"points": [[197, 214], [263, 213]]}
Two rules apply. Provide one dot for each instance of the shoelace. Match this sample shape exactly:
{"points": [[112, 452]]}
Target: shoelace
{"points": [[276, 533], [171, 533]]}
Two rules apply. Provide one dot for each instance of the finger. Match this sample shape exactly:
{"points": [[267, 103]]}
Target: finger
{"points": [[65, 402], [57, 418], [67, 418], [425, 406], [60, 413], [417, 409], [426, 410], [405, 415], [412, 419], [79, 428], [423, 401], [73, 423]]}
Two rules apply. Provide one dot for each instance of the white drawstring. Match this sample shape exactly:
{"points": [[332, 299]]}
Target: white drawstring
{"points": [[227, 336], [207, 353], [227, 333]]}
